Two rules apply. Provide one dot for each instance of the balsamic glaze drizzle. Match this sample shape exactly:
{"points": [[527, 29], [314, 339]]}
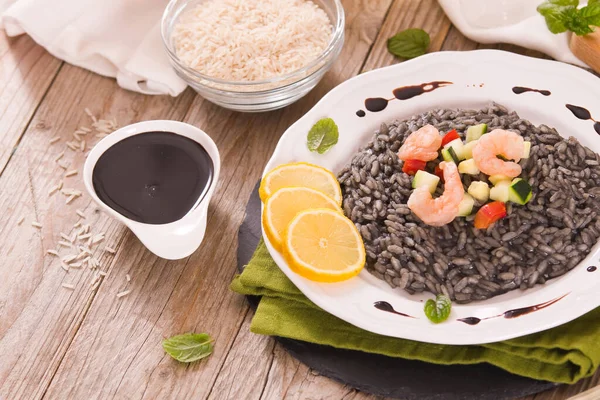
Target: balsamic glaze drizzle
{"points": [[387, 307], [521, 89], [376, 104], [579, 112], [514, 313], [470, 320], [584, 113]]}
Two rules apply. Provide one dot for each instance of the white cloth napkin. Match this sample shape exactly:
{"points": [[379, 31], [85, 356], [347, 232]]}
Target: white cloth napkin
{"points": [[115, 38], [509, 21]]}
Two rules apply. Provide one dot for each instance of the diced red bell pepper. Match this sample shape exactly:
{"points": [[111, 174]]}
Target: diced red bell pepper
{"points": [[412, 166], [438, 171], [489, 213], [450, 136]]}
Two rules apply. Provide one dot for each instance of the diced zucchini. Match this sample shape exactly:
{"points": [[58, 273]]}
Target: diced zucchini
{"points": [[498, 178], [500, 191], [468, 149], [423, 178], [479, 190], [526, 149], [468, 167], [519, 191], [458, 147], [449, 155], [465, 207], [475, 132]]}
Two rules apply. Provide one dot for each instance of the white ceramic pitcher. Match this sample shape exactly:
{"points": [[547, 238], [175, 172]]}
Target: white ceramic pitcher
{"points": [[177, 239]]}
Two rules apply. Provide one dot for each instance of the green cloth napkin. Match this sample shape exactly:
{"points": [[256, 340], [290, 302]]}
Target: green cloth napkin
{"points": [[564, 354]]}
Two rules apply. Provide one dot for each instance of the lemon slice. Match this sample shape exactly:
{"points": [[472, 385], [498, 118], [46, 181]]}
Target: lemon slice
{"points": [[323, 245], [301, 175], [283, 205]]}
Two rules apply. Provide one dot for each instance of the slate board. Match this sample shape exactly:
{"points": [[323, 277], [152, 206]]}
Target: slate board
{"points": [[387, 376]]}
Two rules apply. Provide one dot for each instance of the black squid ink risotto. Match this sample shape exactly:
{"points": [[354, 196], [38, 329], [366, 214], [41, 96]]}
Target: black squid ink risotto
{"points": [[543, 238]]}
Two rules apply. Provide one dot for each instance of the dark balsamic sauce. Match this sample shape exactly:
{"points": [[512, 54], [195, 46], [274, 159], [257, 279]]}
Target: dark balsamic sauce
{"points": [[387, 307], [376, 104], [514, 313], [470, 320], [579, 112], [361, 113], [153, 177], [408, 92], [521, 89], [584, 113], [517, 312], [591, 268]]}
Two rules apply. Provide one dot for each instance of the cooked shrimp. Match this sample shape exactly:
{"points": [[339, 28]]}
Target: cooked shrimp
{"points": [[499, 142], [442, 210], [422, 145]]}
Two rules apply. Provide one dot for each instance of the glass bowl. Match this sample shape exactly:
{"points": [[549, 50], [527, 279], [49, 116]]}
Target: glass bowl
{"points": [[255, 96]]}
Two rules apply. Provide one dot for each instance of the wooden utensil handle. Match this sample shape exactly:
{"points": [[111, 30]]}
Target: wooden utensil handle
{"points": [[587, 48]]}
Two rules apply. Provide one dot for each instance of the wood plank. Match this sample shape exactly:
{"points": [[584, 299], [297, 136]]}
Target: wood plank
{"points": [[26, 72], [196, 297], [287, 377], [39, 318], [404, 14]]}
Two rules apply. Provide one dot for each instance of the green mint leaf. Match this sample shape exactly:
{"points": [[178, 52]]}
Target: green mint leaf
{"points": [[590, 14], [188, 347], [550, 4], [557, 13], [322, 136], [576, 24], [556, 17], [410, 43], [439, 309]]}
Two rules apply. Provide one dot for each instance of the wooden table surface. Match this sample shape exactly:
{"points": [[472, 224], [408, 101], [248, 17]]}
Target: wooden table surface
{"points": [[85, 343]]}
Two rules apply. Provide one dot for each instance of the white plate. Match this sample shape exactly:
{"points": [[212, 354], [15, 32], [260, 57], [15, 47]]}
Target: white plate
{"points": [[478, 77]]}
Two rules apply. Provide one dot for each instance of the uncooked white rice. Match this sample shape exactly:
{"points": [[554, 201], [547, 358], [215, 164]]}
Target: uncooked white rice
{"points": [[54, 139], [110, 250], [68, 286], [98, 238], [52, 252], [71, 145], [69, 258], [58, 157], [70, 199], [128, 278], [123, 293], [71, 173], [67, 238], [253, 39], [80, 213], [20, 221], [36, 224]]}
